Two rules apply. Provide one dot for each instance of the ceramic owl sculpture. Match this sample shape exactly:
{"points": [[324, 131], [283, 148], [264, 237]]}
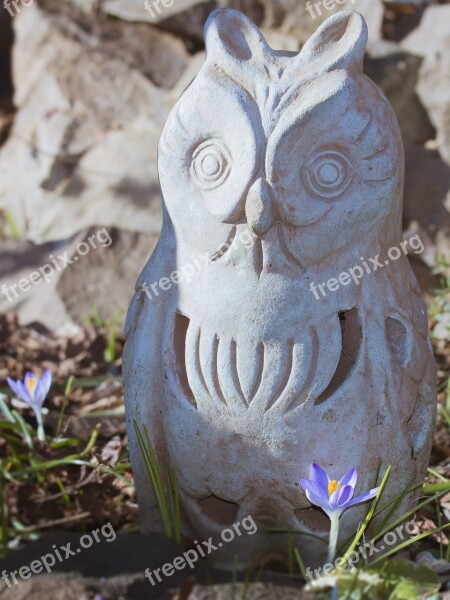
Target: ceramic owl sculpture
{"points": [[250, 353]]}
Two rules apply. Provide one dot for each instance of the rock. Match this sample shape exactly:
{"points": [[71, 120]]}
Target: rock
{"points": [[40, 303], [256, 591], [373, 13], [396, 72], [184, 18], [112, 567], [431, 40], [426, 193], [286, 17], [73, 587], [189, 24], [292, 17], [116, 569], [157, 11], [159, 56], [102, 279], [431, 37], [105, 278], [85, 133], [53, 587], [427, 197]]}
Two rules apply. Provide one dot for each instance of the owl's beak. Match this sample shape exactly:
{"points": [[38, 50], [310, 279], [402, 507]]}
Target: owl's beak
{"points": [[259, 207]]}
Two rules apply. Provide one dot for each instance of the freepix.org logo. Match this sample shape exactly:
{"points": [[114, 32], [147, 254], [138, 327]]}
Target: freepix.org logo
{"points": [[14, 6], [156, 7], [357, 272]]}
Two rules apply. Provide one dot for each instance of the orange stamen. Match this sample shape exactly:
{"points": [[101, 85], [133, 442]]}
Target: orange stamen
{"points": [[333, 486], [31, 384]]}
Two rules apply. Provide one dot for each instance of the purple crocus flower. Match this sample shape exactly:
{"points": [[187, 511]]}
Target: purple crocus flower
{"points": [[333, 496], [33, 391]]}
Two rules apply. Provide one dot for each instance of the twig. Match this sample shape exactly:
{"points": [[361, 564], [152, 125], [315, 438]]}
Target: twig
{"points": [[56, 522]]}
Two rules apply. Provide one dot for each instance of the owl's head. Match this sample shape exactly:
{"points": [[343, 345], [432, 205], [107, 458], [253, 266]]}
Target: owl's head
{"points": [[301, 144]]}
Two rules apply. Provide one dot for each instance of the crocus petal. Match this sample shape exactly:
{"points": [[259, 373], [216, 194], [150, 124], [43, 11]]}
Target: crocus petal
{"points": [[46, 381], [320, 476], [13, 385], [23, 394], [42, 388], [38, 396], [318, 501], [349, 478], [363, 497], [341, 497], [311, 486]]}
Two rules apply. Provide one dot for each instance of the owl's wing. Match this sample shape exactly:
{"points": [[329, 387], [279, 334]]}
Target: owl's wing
{"points": [[413, 377], [143, 373]]}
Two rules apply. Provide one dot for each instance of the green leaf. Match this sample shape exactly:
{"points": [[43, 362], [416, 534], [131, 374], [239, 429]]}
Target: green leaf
{"points": [[409, 579]]}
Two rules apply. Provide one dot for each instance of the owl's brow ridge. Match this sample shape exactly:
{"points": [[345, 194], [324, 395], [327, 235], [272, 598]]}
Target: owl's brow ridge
{"points": [[269, 86]]}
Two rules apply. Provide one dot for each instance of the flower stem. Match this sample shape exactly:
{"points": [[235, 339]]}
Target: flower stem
{"points": [[334, 533], [40, 426]]}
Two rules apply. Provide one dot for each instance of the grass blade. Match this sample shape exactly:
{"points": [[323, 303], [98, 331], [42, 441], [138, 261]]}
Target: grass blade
{"points": [[408, 543], [64, 405], [367, 519], [168, 507]]}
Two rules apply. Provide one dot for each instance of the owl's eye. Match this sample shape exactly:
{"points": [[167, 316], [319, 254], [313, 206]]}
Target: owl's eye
{"points": [[328, 174], [211, 164]]}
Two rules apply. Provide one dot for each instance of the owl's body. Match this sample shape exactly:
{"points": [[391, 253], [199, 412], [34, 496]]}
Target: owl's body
{"points": [[282, 171]]}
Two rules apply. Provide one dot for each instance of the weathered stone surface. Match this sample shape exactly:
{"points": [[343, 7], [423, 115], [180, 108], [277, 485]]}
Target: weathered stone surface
{"points": [[41, 303], [135, 10], [85, 135], [293, 17], [426, 190], [186, 18], [257, 591], [428, 168], [51, 587], [74, 587], [278, 173], [427, 180], [431, 40], [116, 570], [103, 278], [107, 275], [396, 72]]}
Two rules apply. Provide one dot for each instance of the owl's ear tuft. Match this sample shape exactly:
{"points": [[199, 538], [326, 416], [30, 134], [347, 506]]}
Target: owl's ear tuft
{"points": [[233, 40], [339, 43]]}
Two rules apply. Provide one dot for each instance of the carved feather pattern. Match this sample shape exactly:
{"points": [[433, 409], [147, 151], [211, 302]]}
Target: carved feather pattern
{"points": [[217, 370]]}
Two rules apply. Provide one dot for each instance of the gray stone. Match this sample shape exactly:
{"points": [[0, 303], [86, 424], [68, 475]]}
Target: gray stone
{"points": [[41, 303], [116, 570], [105, 277], [102, 279]]}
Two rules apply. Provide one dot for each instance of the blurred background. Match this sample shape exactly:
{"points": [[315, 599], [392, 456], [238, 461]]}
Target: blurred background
{"points": [[86, 86]]}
